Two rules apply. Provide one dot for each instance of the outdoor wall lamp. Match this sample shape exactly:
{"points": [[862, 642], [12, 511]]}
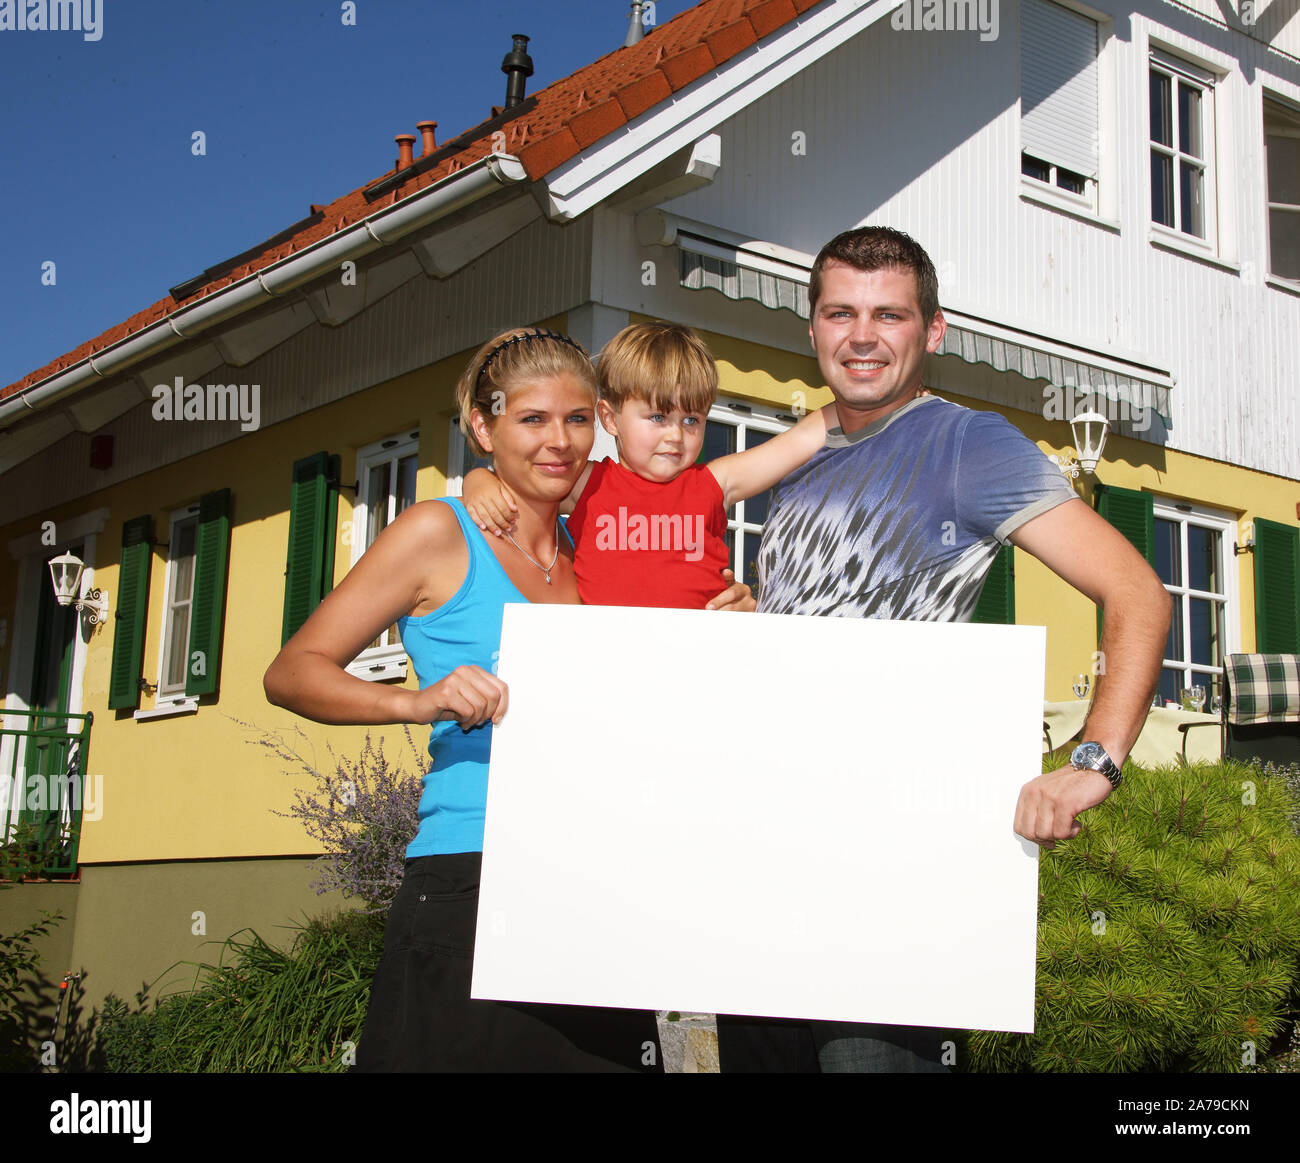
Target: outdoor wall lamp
{"points": [[65, 573], [1247, 542], [1089, 430]]}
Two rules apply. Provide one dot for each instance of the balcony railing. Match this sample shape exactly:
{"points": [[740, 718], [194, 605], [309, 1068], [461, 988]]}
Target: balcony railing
{"points": [[45, 762]]}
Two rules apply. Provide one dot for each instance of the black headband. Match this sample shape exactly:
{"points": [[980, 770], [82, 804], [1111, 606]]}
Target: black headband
{"points": [[540, 333]]}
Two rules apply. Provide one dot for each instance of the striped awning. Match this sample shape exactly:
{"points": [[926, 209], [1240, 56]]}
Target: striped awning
{"points": [[755, 272]]}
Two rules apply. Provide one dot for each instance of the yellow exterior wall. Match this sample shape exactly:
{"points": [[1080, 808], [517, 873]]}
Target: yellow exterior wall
{"points": [[193, 786]]}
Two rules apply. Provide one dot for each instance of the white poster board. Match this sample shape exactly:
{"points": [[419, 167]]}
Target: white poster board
{"points": [[763, 814]]}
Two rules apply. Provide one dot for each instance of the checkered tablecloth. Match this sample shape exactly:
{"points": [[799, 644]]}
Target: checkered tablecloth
{"points": [[1264, 688]]}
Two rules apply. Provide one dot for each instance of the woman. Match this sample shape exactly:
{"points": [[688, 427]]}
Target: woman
{"points": [[527, 399]]}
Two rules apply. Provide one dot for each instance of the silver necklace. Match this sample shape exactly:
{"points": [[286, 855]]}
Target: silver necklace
{"points": [[546, 569]]}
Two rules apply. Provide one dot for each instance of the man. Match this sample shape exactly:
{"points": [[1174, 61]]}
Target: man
{"points": [[900, 516]]}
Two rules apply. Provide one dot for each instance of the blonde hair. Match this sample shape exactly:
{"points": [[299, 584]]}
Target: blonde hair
{"points": [[664, 364], [522, 353]]}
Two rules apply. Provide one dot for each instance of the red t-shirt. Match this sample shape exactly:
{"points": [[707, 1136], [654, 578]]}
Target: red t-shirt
{"points": [[641, 543]]}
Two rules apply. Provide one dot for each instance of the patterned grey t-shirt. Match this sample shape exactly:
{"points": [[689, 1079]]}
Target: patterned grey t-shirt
{"points": [[903, 518]]}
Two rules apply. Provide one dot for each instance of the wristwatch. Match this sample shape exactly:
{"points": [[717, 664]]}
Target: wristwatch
{"points": [[1092, 757]]}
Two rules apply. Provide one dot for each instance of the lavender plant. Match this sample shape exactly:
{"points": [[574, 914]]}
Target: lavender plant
{"points": [[364, 813]]}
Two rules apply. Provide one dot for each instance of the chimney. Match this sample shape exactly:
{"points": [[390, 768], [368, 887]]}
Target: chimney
{"points": [[405, 142], [517, 66], [635, 28], [426, 129]]}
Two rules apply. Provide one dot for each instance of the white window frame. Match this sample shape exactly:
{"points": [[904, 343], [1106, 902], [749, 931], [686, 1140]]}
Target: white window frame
{"points": [[388, 660], [1100, 201], [460, 458], [1288, 106], [744, 415], [177, 702], [1184, 513], [1182, 71]]}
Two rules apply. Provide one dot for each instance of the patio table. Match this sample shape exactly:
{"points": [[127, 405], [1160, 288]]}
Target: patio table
{"points": [[1160, 744]]}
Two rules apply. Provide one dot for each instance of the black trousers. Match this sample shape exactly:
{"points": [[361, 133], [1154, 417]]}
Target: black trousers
{"points": [[421, 1017]]}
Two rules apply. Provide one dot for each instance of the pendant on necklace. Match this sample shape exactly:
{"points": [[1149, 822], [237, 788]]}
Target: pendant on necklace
{"points": [[548, 578]]}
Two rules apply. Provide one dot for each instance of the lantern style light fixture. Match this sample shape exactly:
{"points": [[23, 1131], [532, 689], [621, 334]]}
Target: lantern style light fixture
{"points": [[1089, 430], [65, 573]]}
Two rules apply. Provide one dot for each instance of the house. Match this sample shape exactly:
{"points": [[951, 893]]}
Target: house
{"points": [[1111, 193]]}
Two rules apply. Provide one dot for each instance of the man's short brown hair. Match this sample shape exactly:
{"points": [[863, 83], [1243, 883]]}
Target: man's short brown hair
{"points": [[876, 248], [665, 364]]}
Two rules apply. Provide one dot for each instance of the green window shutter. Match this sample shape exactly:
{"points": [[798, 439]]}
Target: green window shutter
{"points": [[1277, 588], [1133, 514], [207, 611], [129, 618], [313, 518], [998, 597]]}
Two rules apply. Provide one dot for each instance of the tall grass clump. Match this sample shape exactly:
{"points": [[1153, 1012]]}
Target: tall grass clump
{"points": [[257, 1009]]}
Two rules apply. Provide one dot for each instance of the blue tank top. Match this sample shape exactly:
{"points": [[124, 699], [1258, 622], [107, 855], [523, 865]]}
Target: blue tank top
{"points": [[466, 631]]}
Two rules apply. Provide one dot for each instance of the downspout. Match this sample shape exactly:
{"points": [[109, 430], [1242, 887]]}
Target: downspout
{"points": [[370, 234]]}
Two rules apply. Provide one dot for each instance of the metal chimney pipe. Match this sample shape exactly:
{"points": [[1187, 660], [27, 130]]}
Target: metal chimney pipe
{"points": [[635, 28], [426, 129], [517, 66], [405, 142]]}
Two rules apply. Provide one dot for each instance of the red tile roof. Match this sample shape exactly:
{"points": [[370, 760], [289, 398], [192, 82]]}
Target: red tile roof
{"points": [[567, 117]]}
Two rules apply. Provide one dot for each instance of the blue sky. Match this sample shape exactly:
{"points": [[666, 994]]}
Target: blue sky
{"points": [[96, 169]]}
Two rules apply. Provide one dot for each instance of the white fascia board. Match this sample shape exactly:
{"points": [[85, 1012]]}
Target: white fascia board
{"points": [[690, 113]]}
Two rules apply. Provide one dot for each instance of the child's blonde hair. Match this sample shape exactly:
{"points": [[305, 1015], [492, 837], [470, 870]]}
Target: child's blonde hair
{"points": [[505, 360], [664, 364]]}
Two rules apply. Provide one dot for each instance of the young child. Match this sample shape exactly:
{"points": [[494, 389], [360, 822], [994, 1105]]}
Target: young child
{"points": [[649, 529]]}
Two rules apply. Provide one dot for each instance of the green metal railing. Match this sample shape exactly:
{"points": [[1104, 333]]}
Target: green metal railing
{"points": [[47, 764]]}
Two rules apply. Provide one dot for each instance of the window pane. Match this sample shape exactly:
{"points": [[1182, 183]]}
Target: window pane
{"points": [[1161, 110], [1207, 617], [1203, 559], [750, 574], [731, 548], [1069, 180], [1284, 170], [406, 483], [178, 646], [1191, 183], [183, 562], [1168, 559], [1171, 681], [1162, 189], [1174, 643], [756, 507], [719, 440], [1032, 167], [1284, 243], [1189, 120], [377, 501]]}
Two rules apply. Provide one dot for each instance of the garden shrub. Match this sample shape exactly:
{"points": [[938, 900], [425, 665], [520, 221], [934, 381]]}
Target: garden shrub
{"points": [[1168, 929]]}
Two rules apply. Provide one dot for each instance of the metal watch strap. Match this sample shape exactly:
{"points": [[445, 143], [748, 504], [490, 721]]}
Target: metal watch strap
{"points": [[1104, 764]]}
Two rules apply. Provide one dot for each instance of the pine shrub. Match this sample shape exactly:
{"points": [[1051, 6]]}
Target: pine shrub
{"points": [[1168, 929]]}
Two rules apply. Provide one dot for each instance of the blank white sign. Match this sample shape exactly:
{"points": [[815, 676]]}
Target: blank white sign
{"points": [[763, 814]]}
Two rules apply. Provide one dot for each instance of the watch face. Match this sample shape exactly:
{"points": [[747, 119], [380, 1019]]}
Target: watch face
{"points": [[1087, 755]]}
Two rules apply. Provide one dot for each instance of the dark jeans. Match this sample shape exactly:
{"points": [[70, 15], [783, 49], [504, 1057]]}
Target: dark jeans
{"points": [[788, 1046], [421, 1017]]}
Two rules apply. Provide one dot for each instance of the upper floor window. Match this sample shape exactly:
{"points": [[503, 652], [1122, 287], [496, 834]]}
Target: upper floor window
{"points": [[1282, 149], [734, 428], [1059, 123], [385, 488], [1182, 147]]}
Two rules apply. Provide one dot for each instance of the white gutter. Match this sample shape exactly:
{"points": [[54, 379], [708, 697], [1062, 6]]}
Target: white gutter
{"points": [[378, 230]]}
